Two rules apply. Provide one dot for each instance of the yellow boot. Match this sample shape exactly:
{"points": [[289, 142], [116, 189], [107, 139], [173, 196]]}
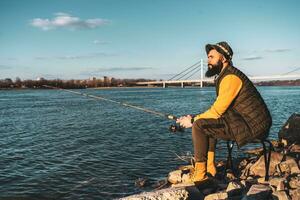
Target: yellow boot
{"points": [[199, 175], [211, 168]]}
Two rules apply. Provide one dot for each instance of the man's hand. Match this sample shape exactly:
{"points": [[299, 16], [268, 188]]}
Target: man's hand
{"points": [[185, 121]]}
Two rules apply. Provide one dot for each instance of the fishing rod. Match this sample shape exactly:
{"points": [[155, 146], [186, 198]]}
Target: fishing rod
{"points": [[173, 128]]}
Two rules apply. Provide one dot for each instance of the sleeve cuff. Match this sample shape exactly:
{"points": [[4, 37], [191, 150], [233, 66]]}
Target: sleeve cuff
{"points": [[192, 120]]}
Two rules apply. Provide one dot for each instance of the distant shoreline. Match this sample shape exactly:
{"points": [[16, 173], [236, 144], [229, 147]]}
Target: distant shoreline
{"points": [[8, 84], [138, 87]]}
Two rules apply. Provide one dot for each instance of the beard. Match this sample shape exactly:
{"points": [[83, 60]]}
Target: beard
{"points": [[214, 70]]}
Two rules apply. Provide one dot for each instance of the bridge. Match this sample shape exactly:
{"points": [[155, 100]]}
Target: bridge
{"points": [[183, 78]]}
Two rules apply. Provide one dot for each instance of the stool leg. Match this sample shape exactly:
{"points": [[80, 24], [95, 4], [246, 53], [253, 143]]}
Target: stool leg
{"points": [[267, 158], [229, 157]]}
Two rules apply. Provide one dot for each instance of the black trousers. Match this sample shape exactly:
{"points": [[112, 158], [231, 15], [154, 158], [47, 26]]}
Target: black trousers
{"points": [[205, 133]]}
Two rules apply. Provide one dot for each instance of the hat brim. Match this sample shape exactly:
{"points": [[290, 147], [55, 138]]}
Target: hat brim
{"points": [[209, 47]]}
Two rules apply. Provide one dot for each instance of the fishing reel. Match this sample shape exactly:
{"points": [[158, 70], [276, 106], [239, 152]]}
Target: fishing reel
{"points": [[175, 128]]}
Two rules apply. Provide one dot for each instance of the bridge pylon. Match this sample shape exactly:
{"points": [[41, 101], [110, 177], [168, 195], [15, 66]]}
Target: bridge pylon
{"points": [[201, 76]]}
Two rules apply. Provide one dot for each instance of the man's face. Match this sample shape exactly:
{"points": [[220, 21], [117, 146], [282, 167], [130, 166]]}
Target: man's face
{"points": [[214, 63]]}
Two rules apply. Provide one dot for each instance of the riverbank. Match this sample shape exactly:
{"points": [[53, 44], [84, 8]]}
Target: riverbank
{"points": [[246, 180]]}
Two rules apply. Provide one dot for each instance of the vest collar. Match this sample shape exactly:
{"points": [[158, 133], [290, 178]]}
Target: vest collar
{"points": [[217, 78]]}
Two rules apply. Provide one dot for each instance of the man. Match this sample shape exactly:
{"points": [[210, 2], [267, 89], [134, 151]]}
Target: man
{"points": [[239, 113]]}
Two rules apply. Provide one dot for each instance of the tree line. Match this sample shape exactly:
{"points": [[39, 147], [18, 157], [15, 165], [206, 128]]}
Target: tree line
{"points": [[8, 83]]}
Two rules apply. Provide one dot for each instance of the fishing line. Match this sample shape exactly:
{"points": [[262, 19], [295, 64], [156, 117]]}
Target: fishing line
{"points": [[172, 128]]}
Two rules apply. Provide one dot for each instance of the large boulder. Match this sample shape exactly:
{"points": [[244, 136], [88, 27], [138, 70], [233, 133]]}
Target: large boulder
{"points": [[294, 182], [234, 188], [258, 191], [289, 166], [278, 183], [294, 151], [290, 132], [295, 194], [217, 196], [258, 168], [280, 195], [175, 176]]}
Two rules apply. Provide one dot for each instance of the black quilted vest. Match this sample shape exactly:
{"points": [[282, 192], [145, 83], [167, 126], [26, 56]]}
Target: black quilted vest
{"points": [[247, 117]]}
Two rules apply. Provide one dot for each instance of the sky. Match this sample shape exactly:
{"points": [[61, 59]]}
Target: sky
{"points": [[79, 39]]}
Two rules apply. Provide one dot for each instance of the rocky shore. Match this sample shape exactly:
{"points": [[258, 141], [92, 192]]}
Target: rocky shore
{"points": [[247, 180]]}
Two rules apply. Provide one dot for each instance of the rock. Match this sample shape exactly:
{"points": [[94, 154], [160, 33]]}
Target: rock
{"points": [[186, 178], [261, 180], [258, 192], [294, 182], [256, 151], [276, 181], [295, 194], [194, 193], [243, 163], [217, 196], [165, 194], [175, 176], [258, 168], [245, 173], [250, 178], [280, 195], [141, 182], [208, 191], [247, 184], [294, 151], [295, 148], [280, 186], [289, 166], [160, 184], [230, 176], [234, 188], [220, 164], [291, 130]]}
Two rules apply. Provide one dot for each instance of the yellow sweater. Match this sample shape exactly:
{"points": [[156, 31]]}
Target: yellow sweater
{"points": [[228, 90]]}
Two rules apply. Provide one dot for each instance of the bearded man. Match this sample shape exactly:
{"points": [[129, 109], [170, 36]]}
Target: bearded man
{"points": [[239, 113]]}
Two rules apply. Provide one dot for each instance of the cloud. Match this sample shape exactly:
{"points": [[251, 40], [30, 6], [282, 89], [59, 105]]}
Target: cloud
{"points": [[5, 67], [277, 50], [125, 69], [67, 21], [12, 59], [113, 69], [253, 58], [50, 76], [94, 55], [74, 57], [100, 42]]}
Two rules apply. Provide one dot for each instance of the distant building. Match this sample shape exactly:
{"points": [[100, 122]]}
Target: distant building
{"points": [[93, 79], [40, 79], [107, 79]]}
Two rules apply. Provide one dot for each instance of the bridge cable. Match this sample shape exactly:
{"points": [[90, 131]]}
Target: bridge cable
{"points": [[291, 71], [184, 70], [190, 71], [193, 73]]}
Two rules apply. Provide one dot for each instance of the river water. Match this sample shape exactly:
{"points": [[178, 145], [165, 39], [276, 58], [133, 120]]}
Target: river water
{"points": [[58, 145]]}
